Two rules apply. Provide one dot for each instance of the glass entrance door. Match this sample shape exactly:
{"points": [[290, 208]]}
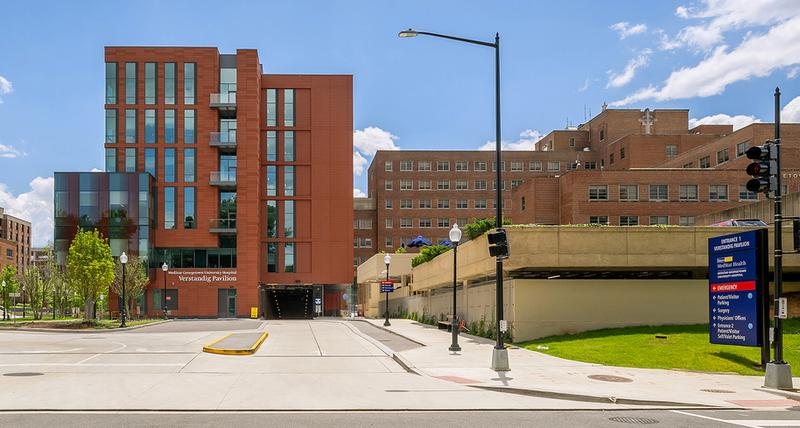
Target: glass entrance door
{"points": [[226, 303]]}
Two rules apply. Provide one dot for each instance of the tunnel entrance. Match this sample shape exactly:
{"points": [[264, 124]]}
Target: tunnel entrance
{"points": [[289, 303]]}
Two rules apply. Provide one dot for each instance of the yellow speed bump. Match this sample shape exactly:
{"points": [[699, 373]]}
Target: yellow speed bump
{"points": [[236, 344]]}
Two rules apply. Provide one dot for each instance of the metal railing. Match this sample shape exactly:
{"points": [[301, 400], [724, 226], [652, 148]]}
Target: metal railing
{"points": [[222, 225], [223, 178], [227, 138], [224, 99]]}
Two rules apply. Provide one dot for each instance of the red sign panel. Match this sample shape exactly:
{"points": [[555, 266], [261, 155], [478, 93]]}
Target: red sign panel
{"points": [[727, 287]]}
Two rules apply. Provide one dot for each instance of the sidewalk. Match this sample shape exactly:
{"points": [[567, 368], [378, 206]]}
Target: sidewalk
{"points": [[533, 373]]}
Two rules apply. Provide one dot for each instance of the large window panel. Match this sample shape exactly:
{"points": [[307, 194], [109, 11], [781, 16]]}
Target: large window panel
{"points": [[189, 83], [288, 258], [288, 219], [272, 257], [169, 207], [169, 83], [111, 160], [288, 107], [272, 107], [169, 126], [169, 165], [189, 163], [150, 126], [272, 146], [288, 181], [272, 180], [189, 126], [150, 161], [189, 208], [150, 79], [272, 219], [130, 83], [288, 146], [130, 126], [111, 126], [111, 83], [130, 160]]}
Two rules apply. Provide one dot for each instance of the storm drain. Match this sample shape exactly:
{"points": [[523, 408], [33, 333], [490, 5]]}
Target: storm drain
{"points": [[609, 378], [633, 420], [23, 374], [718, 391]]}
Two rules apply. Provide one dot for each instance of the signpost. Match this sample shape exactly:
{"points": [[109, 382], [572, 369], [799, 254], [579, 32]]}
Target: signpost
{"points": [[737, 283], [387, 286]]}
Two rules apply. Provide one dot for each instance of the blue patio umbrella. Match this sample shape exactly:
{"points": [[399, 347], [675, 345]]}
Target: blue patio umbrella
{"points": [[419, 241], [446, 243]]}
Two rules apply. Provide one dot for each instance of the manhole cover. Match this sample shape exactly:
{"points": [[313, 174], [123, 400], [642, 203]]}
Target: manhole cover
{"points": [[609, 378], [633, 420], [718, 391], [21, 374]]}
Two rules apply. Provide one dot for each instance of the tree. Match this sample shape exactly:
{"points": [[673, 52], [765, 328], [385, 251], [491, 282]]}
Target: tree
{"points": [[35, 288], [9, 275], [90, 268], [136, 280]]}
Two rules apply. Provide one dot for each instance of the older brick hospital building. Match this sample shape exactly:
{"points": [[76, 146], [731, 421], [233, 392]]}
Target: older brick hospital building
{"points": [[622, 167], [238, 179]]}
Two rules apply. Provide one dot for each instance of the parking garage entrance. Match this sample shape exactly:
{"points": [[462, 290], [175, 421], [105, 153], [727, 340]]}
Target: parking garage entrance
{"points": [[288, 302]]}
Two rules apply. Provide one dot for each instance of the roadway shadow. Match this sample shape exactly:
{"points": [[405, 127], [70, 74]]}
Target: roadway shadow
{"points": [[738, 359]]}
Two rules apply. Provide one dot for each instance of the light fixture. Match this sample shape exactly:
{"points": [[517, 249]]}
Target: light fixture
{"points": [[407, 33], [123, 258], [164, 267], [387, 259], [455, 234]]}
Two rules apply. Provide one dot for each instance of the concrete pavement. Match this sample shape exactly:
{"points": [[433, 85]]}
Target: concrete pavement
{"points": [[541, 375]]}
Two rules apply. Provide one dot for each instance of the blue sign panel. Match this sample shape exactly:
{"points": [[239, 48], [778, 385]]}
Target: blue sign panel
{"points": [[734, 289], [387, 287]]}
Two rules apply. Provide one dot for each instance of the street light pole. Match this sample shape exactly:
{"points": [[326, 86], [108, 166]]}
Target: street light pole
{"points": [[164, 268], [455, 237], [5, 302], [124, 260], [499, 353], [387, 259]]}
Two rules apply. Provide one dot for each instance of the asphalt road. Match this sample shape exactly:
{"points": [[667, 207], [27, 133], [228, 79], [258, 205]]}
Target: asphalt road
{"points": [[550, 419]]}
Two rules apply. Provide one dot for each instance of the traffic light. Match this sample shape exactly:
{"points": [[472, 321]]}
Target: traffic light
{"points": [[498, 243], [763, 169]]}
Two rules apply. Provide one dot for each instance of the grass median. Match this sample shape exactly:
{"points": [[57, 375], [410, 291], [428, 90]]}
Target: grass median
{"points": [[684, 348], [73, 323]]}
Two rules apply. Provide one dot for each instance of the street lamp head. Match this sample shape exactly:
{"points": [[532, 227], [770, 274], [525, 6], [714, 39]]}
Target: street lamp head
{"points": [[164, 267], [455, 234], [123, 258], [387, 259], [407, 33]]}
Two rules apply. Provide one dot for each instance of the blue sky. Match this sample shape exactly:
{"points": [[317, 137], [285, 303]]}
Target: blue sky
{"points": [[719, 58]]}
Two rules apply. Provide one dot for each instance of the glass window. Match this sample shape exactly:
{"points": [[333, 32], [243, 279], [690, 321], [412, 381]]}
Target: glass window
{"points": [[741, 148], [189, 208], [718, 192], [189, 126], [405, 223], [480, 166], [169, 126], [272, 107], [622, 152], [288, 219], [272, 146], [590, 165], [272, 257], [227, 85], [288, 107], [443, 204], [288, 257], [130, 126], [272, 219], [746, 195], [111, 126], [424, 185], [659, 192], [517, 165], [443, 185], [424, 166], [150, 83], [535, 166], [169, 165], [462, 166], [130, 160], [462, 185], [462, 204], [406, 185], [389, 223], [628, 192], [406, 165], [150, 126], [480, 184], [288, 146], [227, 168], [388, 241], [188, 83], [443, 165], [111, 83], [705, 162], [572, 141], [169, 83], [598, 192], [422, 203], [443, 222], [628, 220], [598, 219], [388, 204], [722, 156], [387, 185], [686, 220], [150, 161], [169, 207], [406, 204], [672, 150], [689, 165], [227, 208], [189, 163], [480, 204], [688, 192], [130, 83], [553, 166], [659, 219], [387, 166], [111, 160], [272, 180], [288, 181], [425, 223]]}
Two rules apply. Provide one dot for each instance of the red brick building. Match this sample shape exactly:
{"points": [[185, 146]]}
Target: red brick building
{"points": [[250, 192], [15, 241], [622, 167]]}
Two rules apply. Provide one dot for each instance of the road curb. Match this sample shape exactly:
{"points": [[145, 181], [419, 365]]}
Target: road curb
{"points": [[73, 331], [391, 331], [596, 398], [222, 351]]}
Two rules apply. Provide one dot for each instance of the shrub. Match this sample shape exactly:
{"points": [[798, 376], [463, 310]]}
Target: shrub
{"points": [[428, 253], [479, 227], [400, 250]]}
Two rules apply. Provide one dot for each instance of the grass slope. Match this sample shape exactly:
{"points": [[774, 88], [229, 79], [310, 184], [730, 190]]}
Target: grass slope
{"points": [[685, 348]]}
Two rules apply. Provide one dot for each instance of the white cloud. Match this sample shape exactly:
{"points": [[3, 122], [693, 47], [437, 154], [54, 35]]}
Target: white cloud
{"points": [[359, 162], [5, 87], [35, 206], [371, 139], [357, 193], [97, 170], [738, 121], [585, 86], [617, 80], [758, 56], [791, 112], [527, 141], [10, 152], [793, 73], [626, 30]]}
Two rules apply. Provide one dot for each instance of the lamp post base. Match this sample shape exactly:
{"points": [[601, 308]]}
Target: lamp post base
{"points": [[778, 376], [386, 323], [500, 360], [454, 348]]}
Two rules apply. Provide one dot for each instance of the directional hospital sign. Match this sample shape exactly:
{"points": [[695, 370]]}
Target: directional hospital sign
{"points": [[736, 268]]}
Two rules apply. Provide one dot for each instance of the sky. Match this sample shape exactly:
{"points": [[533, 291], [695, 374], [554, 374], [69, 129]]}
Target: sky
{"points": [[561, 60]]}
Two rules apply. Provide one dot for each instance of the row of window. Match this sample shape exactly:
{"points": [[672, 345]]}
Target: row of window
{"points": [[441, 222], [150, 163], [289, 254], [288, 107], [362, 223], [461, 204], [189, 207], [150, 126], [445, 185], [478, 166], [190, 258], [660, 193], [633, 220], [288, 218], [151, 82], [288, 146], [288, 173], [722, 156]]}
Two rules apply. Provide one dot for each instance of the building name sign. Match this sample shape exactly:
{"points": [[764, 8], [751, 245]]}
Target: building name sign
{"points": [[210, 277]]}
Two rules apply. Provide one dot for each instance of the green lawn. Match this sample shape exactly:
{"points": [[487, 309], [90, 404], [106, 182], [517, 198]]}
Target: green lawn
{"points": [[685, 348], [72, 323]]}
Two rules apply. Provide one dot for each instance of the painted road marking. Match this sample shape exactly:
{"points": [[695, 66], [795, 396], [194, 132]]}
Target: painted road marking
{"points": [[754, 423]]}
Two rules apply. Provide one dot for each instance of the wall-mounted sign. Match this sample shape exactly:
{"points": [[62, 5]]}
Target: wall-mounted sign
{"points": [[204, 277]]}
